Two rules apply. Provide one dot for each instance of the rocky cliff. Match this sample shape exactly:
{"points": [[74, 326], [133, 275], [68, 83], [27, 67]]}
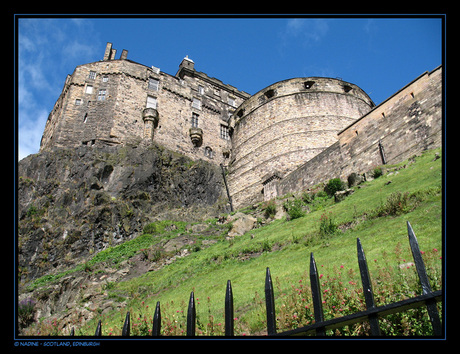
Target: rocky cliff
{"points": [[73, 203]]}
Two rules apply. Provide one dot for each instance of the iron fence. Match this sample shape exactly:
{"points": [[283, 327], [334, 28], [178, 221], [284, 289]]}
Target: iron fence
{"points": [[372, 313]]}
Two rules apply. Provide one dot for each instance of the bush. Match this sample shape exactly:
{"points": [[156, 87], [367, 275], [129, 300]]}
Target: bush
{"points": [[308, 197], [327, 226], [270, 209], [334, 185], [294, 209], [377, 172], [397, 203], [26, 312]]}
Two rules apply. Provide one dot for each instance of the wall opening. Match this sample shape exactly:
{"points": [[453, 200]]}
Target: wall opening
{"points": [[269, 93]]}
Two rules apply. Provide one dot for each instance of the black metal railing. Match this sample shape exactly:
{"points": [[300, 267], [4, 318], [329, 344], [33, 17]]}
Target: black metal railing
{"points": [[372, 313]]}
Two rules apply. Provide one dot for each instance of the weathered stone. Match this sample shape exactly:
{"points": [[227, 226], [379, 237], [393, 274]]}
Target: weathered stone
{"points": [[92, 198], [354, 179], [340, 195], [243, 224]]}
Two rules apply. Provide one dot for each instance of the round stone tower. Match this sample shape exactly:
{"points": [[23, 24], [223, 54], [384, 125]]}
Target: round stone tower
{"points": [[285, 125]]}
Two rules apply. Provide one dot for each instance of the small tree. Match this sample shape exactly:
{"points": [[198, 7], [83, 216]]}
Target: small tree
{"points": [[333, 186]]}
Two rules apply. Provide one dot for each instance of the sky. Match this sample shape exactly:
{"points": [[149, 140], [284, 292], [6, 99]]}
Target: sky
{"points": [[380, 55]]}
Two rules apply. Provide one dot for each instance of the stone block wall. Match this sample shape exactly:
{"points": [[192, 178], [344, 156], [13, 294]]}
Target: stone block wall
{"points": [[111, 112], [407, 123], [286, 124]]}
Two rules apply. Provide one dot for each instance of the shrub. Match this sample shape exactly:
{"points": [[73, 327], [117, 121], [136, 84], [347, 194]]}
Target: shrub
{"points": [[377, 172], [327, 226], [397, 203], [294, 209], [270, 209], [334, 185], [26, 312], [308, 197]]}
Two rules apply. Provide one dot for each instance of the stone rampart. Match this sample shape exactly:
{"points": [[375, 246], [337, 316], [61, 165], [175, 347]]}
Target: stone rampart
{"points": [[286, 124], [405, 124]]}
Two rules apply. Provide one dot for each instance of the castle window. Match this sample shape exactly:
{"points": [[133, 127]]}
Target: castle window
{"points": [[92, 75], [89, 89], [151, 102], [269, 93], [196, 103], [208, 152], [85, 118], [101, 95], [224, 132], [195, 120], [347, 88], [201, 90], [153, 84], [105, 78], [308, 84], [78, 102], [231, 102]]}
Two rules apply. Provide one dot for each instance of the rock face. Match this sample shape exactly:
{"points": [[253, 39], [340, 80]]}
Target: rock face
{"points": [[75, 202]]}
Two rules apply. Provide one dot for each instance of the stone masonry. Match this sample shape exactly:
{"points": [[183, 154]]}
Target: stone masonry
{"points": [[118, 101], [285, 124], [287, 137]]}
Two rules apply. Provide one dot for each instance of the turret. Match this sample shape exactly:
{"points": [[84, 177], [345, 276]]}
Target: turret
{"points": [[186, 67]]}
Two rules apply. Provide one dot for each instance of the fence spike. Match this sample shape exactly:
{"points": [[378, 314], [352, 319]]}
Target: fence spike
{"points": [[191, 316], [98, 329], [423, 277], [316, 295], [126, 326], [229, 310], [419, 264], [367, 289], [270, 304], [72, 332], [156, 321]]}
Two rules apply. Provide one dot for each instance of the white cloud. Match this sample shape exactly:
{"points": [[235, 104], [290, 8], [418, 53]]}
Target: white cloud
{"points": [[306, 30], [30, 131], [48, 50]]}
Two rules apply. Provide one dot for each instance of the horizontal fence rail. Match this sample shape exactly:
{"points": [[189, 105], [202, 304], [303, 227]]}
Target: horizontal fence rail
{"points": [[372, 313]]}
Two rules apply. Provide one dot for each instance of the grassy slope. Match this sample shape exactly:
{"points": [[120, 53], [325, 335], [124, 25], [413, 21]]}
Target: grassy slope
{"points": [[207, 271]]}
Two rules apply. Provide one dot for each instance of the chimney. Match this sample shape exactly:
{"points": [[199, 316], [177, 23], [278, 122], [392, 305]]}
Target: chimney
{"points": [[124, 54], [112, 54], [108, 51]]}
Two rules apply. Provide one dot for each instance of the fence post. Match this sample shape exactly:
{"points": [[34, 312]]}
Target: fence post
{"points": [[126, 326], [316, 295], [98, 329], [270, 304], [367, 289], [156, 321], [229, 310], [426, 287], [191, 316]]}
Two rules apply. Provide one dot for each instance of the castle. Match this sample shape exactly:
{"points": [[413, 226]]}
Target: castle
{"points": [[286, 137]]}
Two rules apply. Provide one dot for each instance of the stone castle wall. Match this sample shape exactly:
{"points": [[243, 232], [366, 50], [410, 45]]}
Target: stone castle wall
{"points": [[286, 124], [105, 102], [287, 137], [405, 124]]}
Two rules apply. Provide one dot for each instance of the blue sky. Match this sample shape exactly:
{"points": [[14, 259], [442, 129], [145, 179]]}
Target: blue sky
{"points": [[380, 55]]}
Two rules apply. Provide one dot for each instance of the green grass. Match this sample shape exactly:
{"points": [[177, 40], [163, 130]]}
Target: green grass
{"points": [[284, 246]]}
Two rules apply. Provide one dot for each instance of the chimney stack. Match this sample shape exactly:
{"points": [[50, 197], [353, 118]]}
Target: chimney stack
{"points": [[108, 51]]}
